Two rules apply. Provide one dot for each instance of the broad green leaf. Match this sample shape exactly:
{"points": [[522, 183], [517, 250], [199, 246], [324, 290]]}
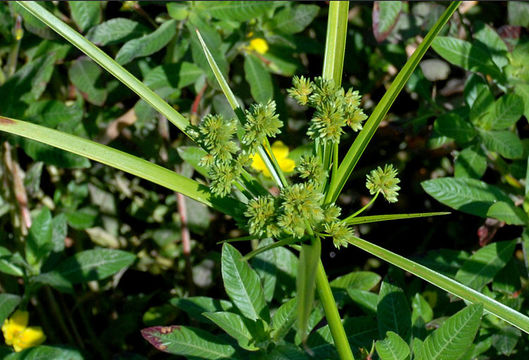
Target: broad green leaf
{"points": [[8, 303], [455, 127], [474, 86], [39, 241], [26, 85], [389, 217], [292, 20], [483, 265], [469, 56], [197, 305], [496, 46], [504, 142], [509, 213], [119, 160], [452, 339], [264, 265], [309, 259], [166, 78], [360, 333], [366, 300], [482, 107], [470, 163], [116, 31], [94, 264], [393, 311], [235, 326], [147, 44], [259, 79], [177, 11], [518, 12], [362, 140], [32, 23], [507, 280], [287, 352], [464, 194], [87, 76], [85, 13], [284, 319], [392, 347], [192, 155], [236, 10], [385, 17], [362, 280], [188, 341], [507, 111], [46, 352], [494, 307], [242, 284], [505, 340], [6, 264], [421, 309], [522, 90]]}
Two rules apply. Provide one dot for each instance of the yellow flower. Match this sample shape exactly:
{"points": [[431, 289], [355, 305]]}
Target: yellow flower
{"points": [[18, 334], [280, 152], [258, 44]]}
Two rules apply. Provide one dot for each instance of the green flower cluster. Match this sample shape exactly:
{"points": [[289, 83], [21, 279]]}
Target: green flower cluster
{"points": [[226, 158], [334, 107], [384, 181], [296, 208]]}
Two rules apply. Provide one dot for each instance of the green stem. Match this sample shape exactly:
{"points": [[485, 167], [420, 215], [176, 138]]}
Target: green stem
{"points": [[335, 158], [362, 209], [332, 315], [282, 179]]}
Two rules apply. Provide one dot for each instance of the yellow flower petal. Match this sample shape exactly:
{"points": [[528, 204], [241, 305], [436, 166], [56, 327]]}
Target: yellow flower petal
{"points": [[13, 326], [280, 152], [31, 336], [258, 44]]}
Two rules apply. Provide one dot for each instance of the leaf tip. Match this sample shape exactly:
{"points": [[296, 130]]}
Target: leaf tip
{"points": [[152, 335]]}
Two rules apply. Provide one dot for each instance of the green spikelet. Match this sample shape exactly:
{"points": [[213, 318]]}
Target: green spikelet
{"points": [[262, 122], [301, 89], [384, 180]]}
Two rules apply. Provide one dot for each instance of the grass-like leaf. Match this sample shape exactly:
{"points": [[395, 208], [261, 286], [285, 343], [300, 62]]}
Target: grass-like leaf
{"points": [[119, 160], [106, 62], [355, 152], [389, 217], [496, 308]]}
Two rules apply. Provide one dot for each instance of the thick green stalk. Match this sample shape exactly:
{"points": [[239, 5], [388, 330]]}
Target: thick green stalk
{"points": [[333, 59], [496, 308], [333, 70], [332, 315], [357, 149]]}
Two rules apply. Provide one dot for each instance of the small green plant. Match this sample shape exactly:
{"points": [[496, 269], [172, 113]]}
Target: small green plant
{"points": [[302, 214]]}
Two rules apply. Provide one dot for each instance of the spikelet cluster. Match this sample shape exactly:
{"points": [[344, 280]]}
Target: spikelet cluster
{"points": [[226, 158], [262, 122], [334, 107], [311, 169], [384, 181]]}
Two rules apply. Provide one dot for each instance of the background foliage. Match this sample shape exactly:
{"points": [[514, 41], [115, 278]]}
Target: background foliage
{"points": [[104, 251]]}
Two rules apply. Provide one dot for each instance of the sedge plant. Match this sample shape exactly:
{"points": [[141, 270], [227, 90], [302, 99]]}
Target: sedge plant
{"points": [[304, 213]]}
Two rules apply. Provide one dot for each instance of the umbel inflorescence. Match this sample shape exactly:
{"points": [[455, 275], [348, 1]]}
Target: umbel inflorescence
{"points": [[298, 210]]}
